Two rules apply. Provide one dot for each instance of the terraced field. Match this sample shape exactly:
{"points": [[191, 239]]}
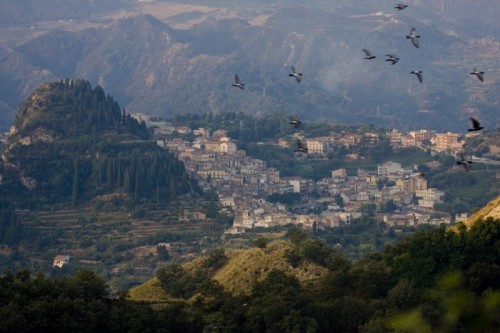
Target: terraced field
{"points": [[82, 224]]}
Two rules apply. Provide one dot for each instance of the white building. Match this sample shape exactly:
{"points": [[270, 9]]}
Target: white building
{"points": [[427, 198], [60, 261], [226, 146], [389, 168]]}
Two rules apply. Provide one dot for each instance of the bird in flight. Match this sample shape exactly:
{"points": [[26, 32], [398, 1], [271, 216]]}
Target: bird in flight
{"points": [[301, 147], [418, 74], [295, 122], [400, 6], [237, 82], [478, 74], [414, 37], [465, 163], [392, 58], [295, 74], [475, 125], [369, 55]]}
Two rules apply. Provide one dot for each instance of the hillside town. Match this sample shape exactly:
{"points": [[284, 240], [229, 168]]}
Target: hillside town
{"points": [[396, 195]]}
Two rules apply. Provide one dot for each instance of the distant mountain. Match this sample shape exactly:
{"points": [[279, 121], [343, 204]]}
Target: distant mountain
{"points": [[70, 143], [154, 68], [31, 12]]}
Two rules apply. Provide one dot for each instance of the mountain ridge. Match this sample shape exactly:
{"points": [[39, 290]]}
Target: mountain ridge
{"points": [[154, 68]]}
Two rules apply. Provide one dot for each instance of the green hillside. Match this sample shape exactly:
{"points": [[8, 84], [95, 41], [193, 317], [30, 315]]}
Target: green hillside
{"points": [[71, 142], [434, 281], [79, 176], [241, 270]]}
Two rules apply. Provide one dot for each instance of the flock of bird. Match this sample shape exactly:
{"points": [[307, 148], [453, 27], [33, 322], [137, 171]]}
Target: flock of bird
{"points": [[413, 36]]}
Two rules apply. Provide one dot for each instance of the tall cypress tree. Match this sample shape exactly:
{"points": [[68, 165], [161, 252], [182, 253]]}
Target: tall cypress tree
{"points": [[76, 183]]}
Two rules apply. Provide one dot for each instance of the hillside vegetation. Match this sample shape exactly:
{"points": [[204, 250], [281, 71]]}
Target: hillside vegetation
{"points": [[433, 281], [71, 142], [491, 210]]}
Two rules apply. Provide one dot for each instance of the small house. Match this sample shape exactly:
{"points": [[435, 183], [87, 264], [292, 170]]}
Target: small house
{"points": [[60, 261]]}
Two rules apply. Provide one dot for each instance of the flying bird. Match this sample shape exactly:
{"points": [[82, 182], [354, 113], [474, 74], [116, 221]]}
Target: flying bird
{"points": [[237, 82], [475, 125], [369, 55], [392, 58], [418, 74], [465, 163], [295, 122], [414, 37], [295, 74], [301, 147], [400, 6], [478, 74]]}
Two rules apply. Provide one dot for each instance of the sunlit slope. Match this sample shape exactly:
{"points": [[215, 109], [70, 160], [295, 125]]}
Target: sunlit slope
{"points": [[492, 209]]}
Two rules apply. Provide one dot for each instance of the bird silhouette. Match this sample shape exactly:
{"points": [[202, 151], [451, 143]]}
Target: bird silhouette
{"points": [[301, 147], [475, 125], [400, 6], [463, 162], [295, 74], [369, 55], [418, 74], [414, 37], [237, 82], [392, 58], [295, 122], [478, 74]]}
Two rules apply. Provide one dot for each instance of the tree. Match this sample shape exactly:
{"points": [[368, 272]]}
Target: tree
{"points": [[315, 250], [261, 242], [388, 207], [76, 183], [296, 235], [162, 252], [369, 209], [215, 259]]}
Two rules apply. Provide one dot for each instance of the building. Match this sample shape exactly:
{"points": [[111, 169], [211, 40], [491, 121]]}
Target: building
{"points": [[60, 261], [412, 184], [201, 132], [422, 136], [299, 185], [394, 137], [315, 146], [339, 173], [462, 217], [389, 168], [283, 143], [447, 142], [427, 198], [227, 146], [3, 137]]}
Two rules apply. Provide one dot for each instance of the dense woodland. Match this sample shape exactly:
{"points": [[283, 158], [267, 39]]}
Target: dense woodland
{"points": [[249, 128], [434, 281], [10, 226], [83, 145]]}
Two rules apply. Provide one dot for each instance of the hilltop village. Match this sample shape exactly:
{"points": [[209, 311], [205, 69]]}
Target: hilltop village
{"points": [[399, 196]]}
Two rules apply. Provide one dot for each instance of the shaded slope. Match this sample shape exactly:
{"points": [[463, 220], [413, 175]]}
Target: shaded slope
{"points": [[71, 142]]}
